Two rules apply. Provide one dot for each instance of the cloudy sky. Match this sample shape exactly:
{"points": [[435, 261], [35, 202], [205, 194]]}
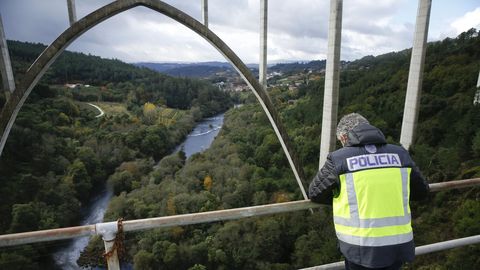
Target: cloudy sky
{"points": [[297, 28]]}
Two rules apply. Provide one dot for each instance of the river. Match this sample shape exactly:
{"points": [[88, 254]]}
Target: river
{"points": [[202, 135], [198, 140]]}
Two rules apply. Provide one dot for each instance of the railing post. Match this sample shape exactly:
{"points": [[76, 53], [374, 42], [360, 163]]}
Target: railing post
{"points": [[332, 85], [415, 74], [108, 231], [112, 258]]}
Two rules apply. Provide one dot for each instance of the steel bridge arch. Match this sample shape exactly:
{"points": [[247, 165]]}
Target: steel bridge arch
{"points": [[49, 55]]}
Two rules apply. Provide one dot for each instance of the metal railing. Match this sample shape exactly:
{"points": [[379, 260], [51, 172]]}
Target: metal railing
{"points": [[418, 251], [108, 230]]}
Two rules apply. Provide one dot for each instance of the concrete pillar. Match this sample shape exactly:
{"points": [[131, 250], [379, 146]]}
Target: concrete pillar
{"points": [[332, 75], [262, 70], [5, 65], [478, 80], [205, 12], [476, 98], [72, 13], [415, 74]]}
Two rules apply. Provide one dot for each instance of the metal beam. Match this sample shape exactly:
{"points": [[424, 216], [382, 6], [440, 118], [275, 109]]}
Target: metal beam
{"points": [[159, 222], [262, 70], [5, 65], [332, 75], [447, 185], [447, 245], [16, 239], [415, 74], [418, 251], [330, 266], [220, 215], [72, 12], [188, 219]]}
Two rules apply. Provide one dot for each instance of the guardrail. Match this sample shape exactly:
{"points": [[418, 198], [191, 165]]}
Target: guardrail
{"points": [[109, 230]]}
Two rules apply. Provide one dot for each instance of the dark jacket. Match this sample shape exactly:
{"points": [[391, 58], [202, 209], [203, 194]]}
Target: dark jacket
{"points": [[325, 183], [363, 140]]}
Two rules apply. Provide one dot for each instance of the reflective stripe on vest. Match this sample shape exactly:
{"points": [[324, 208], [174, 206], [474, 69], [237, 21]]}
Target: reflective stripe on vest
{"points": [[382, 215]]}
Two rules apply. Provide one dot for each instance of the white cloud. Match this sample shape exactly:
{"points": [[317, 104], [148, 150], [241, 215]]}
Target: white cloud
{"points": [[467, 21], [374, 27], [297, 29]]}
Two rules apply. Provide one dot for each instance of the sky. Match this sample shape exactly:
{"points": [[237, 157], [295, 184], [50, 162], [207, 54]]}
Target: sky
{"points": [[297, 29]]}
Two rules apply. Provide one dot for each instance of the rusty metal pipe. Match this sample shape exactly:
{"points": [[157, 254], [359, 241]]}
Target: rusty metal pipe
{"points": [[45, 235], [454, 184], [220, 215], [421, 250]]}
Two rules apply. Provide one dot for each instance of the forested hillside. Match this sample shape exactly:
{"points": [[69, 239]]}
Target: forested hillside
{"points": [[245, 166], [119, 81], [299, 67], [191, 70], [59, 154]]}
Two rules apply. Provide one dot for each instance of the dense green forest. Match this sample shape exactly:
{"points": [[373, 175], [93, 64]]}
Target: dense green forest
{"points": [[119, 81], [58, 154], [245, 166]]}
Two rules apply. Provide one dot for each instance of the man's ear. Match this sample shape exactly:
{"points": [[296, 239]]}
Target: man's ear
{"points": [[343, 139]]}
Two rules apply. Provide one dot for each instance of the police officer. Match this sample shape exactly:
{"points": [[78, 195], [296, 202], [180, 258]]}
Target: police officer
{"points": [[369, 184]]}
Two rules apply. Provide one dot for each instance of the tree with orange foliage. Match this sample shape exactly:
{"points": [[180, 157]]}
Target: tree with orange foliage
{"points": [[207, 182]]}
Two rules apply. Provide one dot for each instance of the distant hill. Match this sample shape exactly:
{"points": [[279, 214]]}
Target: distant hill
{"points": [[160, 67], [72, 66], [210, 69], [316, 65], [194, 70], [75, 67], [120, 81]]}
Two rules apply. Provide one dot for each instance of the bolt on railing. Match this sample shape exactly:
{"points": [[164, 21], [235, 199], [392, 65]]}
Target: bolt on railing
{"points": [[108, 230]]}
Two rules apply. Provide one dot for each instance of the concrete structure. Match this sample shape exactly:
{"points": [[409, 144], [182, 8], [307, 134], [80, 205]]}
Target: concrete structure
{"points": [[332, 75], [205, 12], [478, 80], [476, 98], [5, 65], [262, 70], [72, 13], [415, 74], [48, 56]]}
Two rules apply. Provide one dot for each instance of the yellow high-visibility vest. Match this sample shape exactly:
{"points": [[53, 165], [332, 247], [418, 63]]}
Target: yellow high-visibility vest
{"points": [[372, 208]]}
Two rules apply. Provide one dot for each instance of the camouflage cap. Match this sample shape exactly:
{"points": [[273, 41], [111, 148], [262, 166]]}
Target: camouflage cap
{"points": [[348, 122]]}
